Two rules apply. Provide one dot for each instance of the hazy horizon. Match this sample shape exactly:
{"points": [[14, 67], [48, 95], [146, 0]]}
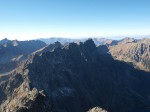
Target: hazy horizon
{"points": [[100, 37], [32, 19]]}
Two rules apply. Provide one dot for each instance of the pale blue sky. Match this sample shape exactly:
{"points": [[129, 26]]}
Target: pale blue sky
{"points": [[29, 19]]}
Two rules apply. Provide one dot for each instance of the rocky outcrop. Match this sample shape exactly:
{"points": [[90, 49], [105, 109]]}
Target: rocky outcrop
{"points": [[97, 109]]}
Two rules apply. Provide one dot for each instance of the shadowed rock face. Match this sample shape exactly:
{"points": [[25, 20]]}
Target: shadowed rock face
{"points": [[13, 52], [75, 78]]}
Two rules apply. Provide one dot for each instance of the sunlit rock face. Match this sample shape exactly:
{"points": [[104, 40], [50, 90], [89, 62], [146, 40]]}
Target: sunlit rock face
{"points": [[97, 109], [135, 51], [75, 78]]}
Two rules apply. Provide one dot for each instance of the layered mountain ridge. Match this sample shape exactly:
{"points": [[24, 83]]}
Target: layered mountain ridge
{"points": [[13, 52]]}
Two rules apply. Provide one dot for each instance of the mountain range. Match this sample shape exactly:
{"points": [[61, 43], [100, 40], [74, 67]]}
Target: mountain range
{"points": [[97, 41], [75, 76], [12, 52]]}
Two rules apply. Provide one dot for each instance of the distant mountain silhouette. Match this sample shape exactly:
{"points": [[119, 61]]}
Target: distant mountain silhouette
{"points": [[59, 39], [97, 41]]}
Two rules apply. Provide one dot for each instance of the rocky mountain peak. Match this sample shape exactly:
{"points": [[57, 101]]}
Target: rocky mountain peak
{"points": [[57, 44], [3, 41], [90, 43]]}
